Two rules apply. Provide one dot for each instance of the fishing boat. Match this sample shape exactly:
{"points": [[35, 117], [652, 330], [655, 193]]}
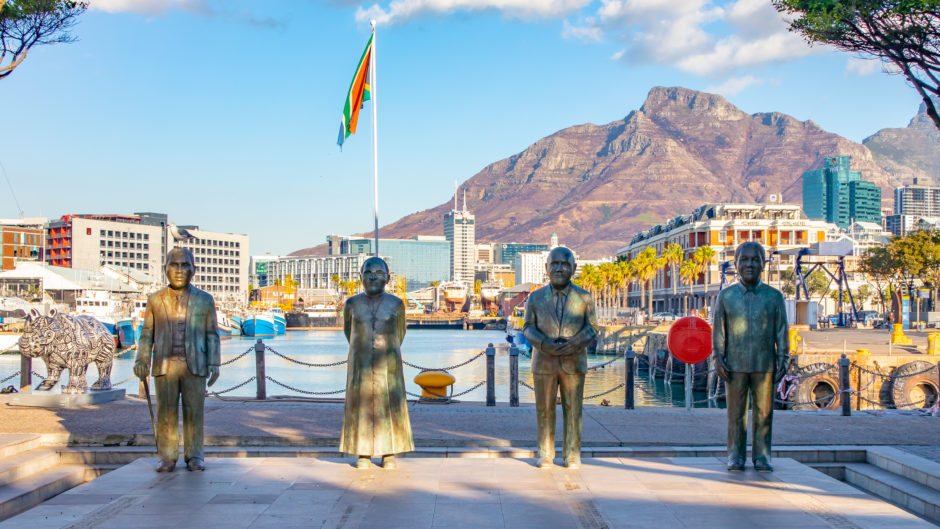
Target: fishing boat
{"points": [[126, 333], [225, 326], [260, 325], [321, 315], [280, 322], [236, 323], [454, 294], [514, 325], [489, 292]]}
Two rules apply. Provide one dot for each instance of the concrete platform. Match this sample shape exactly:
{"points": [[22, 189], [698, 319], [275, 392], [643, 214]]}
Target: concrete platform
{"points": [[686, 492], [57, 399]]}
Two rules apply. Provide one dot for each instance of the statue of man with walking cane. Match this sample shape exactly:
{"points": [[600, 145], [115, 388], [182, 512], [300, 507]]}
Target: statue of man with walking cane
{"points": [[181, 337]]}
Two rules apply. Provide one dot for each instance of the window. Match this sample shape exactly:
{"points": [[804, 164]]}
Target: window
{"points": [[146, 236], [110, 244], [110, 233], [101, 233], [124, 234], [146, 246], [101, 243]]}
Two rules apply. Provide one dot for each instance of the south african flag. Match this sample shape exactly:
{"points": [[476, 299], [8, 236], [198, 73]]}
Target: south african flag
{"points": [[357, 95]]}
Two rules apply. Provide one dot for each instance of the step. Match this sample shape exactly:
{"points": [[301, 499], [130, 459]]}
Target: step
{"points": [[15, 443], [906, 464], [915, 497], [24, 464], [33, 490]]}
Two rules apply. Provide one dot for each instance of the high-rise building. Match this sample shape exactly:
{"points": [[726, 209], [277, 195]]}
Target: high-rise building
{"points": [[505, 252], [259, 270], [91, 241], [919, 200], [222, 261], [460, 231], [21, 240], [420, 259], [838, 195]]}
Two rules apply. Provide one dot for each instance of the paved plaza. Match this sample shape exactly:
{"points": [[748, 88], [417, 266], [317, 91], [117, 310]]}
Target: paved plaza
{"points": [[426, 492]]}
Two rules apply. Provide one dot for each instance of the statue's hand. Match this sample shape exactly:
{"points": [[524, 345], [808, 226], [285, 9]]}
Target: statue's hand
{"points": [[141, 369], [721, 369], [568, 348], [780, 372], [213, 374]]}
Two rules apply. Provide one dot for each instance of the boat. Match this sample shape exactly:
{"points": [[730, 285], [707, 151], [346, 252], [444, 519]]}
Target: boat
{"points": [[489, 293], [225, 326], [126, 333], [236, 323], [280, 322], [454, 294], [259, 325], [321, 315], [514, 325]]}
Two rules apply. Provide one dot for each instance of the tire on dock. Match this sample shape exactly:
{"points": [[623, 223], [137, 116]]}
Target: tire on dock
{"points": [[914, 384], [819, 391]]}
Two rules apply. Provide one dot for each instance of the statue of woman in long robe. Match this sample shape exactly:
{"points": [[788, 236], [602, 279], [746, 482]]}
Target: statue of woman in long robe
{"points": [[375, 419]]}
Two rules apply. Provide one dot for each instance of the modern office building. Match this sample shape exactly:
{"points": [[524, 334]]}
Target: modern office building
{"points": [[505, 252], [530, 267], [460, 231], [316, 271], [222, 261], [90, 241], [21, 240], [839, 196], [919, 200], [484, 253], [420, 259], [258, 274]]}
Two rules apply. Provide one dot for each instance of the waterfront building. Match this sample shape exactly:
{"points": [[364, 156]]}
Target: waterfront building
{"points": [[316, 271], [21, 240], [838, 195], [28, 280], [530, 267], [258, 270], [221, 263], [779, 227], [420, 259], [484, 253], [499, 273], [460, 231], [90, 241], [867, 235], [917, 200], [900, 225], [505, 252]]}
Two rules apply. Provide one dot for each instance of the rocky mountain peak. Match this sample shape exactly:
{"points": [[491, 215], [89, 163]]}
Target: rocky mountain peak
{"points": [[674, 101]]}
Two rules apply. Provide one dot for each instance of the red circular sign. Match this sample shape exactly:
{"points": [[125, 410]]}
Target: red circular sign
{"points": [[690, 339]]}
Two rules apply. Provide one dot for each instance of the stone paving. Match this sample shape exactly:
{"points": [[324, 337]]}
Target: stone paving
{"points": [[460, 493]]}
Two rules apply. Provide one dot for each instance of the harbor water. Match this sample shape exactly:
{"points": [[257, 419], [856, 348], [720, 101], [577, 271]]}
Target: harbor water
{"points": [[430, 349]]}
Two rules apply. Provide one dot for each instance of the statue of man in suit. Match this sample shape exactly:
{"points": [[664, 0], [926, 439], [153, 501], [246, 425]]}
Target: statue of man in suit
{"points": [[181, 336], [560, 322], [751, 348]]}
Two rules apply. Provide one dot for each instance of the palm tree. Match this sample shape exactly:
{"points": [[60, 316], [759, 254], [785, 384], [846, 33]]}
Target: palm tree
{"points": [[689, 270], [704, 256], [587, 278], [673, 255], [612, 278], [627, 275], [648, 264]]}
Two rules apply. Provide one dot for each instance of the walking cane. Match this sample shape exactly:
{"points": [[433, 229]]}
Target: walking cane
{"points": [[153, 422]]}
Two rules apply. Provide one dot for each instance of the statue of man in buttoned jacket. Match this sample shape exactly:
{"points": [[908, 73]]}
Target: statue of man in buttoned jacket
{"points": [[181, 337], [560, 322], [751, 348]]}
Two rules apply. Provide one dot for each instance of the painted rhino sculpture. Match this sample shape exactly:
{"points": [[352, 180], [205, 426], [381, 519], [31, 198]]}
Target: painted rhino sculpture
{"points": [[66, 342]]}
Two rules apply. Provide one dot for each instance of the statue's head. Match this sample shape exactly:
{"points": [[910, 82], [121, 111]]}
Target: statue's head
{"points": [[560, 267], [749, 258], [180, 267], [374, 275]]}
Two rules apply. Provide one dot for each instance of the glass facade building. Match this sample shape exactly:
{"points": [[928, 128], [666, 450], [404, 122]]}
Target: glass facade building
{"points": [[505, 252], [418, 259], [838, 195]]}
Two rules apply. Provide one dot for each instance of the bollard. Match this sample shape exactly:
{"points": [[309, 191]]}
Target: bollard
{"points": [[490, 375], [26, 373], [630, 362], [261, 393], [689, 368], [844, 389], [513, 376]]}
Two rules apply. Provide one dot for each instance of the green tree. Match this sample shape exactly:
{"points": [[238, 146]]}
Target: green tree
{"points": [[904, 33], [673, 256], [648, 264], [689, 270], [28, 23], [705, 256], [881, 269]]}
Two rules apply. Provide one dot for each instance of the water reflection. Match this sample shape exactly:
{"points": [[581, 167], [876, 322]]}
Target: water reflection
{"points": [[424, 348]]}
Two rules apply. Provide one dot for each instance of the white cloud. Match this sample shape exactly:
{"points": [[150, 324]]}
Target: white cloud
{"points": [[732, 53], [734, 85], [862, 67], [582, 33], [150, 7], [618, 55], [403, 10]]}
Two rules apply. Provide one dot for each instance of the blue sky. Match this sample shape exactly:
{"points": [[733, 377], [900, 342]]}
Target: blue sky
{"points": [[224, 113]]}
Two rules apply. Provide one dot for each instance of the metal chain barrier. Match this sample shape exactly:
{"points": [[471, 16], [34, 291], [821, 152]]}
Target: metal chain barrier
{"points": [[448, 368], [298, 390], [35, 374], [605, 364], [9, 377], [521, 383], [601, 394], [123, 381], [892, 377], [233, 388], [237, 358], [444, 397], [308, 364]]}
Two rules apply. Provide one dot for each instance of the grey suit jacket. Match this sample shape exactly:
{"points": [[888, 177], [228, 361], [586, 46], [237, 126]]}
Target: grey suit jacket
{"points": [[579, 323], [202, 332]]}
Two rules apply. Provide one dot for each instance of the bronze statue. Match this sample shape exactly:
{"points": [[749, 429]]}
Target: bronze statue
{"points": [[375, 418], [751, 349], [560, 322], [181, 335]]}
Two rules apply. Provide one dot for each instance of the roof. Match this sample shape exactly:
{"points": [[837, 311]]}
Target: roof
{"points": [[60, 278]]}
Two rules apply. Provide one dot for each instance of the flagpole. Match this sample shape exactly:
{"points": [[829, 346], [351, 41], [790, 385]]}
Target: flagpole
{"points": [[375, 148]]}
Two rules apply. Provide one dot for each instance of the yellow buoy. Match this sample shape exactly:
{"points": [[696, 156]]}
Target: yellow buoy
{"points": [[863, 352], [434, 383]]}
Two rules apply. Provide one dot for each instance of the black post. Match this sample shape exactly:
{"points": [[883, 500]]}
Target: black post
{"points": [[629, 361], [513, 376], [26, 373], [262, 392], [844, 388], [490, 375]]}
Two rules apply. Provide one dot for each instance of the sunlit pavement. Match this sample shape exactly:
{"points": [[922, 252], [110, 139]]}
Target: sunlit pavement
{"points": [[441, 492]]}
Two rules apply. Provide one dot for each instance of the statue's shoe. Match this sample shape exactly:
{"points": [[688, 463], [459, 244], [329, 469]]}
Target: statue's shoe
{"points": [[545, 462], [762, 465], [166, 466], [388, 462], [363, 463], [735, 465], [573, 463], [196, 464]]}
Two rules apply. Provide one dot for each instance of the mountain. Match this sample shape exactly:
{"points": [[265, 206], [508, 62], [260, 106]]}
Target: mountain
{"points": [[915, 148], [597, 185]]}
